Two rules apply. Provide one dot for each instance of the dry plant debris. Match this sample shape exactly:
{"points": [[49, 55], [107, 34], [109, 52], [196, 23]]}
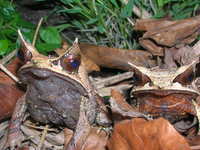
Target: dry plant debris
{"points": [[159, 90], [139, 134]]}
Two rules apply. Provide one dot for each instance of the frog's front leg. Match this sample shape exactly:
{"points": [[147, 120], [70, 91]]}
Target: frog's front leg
{"points": [[15, 136]]}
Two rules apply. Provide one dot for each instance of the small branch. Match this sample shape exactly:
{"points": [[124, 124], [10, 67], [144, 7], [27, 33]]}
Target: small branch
{"points": [[9, 73], [113, 80], [4, 69], [38, 128], [37, 31], [106, 91], [44, 133]]}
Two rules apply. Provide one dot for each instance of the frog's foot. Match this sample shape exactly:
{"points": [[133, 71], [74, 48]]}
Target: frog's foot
{"points": [[14, 140]]}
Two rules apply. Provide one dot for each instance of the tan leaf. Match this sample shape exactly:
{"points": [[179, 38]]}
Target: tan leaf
{"points": [[152, 24], [116, 58]]}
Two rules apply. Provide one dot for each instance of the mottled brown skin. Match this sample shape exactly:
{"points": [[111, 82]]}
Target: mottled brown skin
{"points": [[52, 98], [53, 94]]}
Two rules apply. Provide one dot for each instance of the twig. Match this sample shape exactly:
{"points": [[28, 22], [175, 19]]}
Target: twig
{"points": [[36, 31], [106, 90], [112, 80], [4, 69], [36, 127], [131, 22], [9, 73], [43, 137], [12, 54]]}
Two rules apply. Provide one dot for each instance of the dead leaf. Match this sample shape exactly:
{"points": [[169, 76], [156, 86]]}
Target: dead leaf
{"points": [[152, 47], [9, 91], [139, 134], [175, 33], [194, 141], [121, 109], [116, 58], [152, 24], [164, 33], [181, 56], [68, 135]]}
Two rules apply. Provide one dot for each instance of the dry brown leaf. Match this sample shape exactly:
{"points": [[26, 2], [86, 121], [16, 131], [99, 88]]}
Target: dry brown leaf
{"points": [[121, 109], [89, 64], [182, 56], [151, 24], [152, 47], [139, 134], [68, 135], [96, 140], [164, 33], [116, 58], [174, 33], [9, 91], [9, 96]]}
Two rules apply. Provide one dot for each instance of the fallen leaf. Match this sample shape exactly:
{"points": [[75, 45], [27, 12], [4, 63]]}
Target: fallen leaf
{"points": [[116, 58], [121, 109], [164, 33], [9, 91], [139, 134], [152, 24], [174, 33]]}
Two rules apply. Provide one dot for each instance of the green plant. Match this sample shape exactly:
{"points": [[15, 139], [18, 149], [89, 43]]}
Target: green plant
{"points": [[11, 21], [177, 9], [99, 22]]}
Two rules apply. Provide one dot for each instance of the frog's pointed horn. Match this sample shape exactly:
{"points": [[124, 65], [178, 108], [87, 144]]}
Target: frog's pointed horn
{"points": [[183, 74], [71, 60], [74, 49], [142, 73], [26, 50], [143, 70]]}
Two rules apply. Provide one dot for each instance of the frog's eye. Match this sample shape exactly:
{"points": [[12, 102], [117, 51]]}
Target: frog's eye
{"points": [[70, 62]]}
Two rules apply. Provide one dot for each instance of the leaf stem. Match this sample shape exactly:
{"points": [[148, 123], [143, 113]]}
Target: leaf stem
{"points": [[36, 31]]}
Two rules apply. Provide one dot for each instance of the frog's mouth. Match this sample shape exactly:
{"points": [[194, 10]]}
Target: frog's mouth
{"points": [[165, 92], [170, 104], [28, 74]]}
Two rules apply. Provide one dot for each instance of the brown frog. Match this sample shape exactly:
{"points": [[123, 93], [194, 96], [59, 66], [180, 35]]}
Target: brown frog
{"points": [[170, 93], [54, 90]]}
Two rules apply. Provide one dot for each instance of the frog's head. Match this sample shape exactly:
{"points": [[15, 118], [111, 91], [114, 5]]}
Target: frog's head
{"points": [[65, 66], [165, 79]]}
